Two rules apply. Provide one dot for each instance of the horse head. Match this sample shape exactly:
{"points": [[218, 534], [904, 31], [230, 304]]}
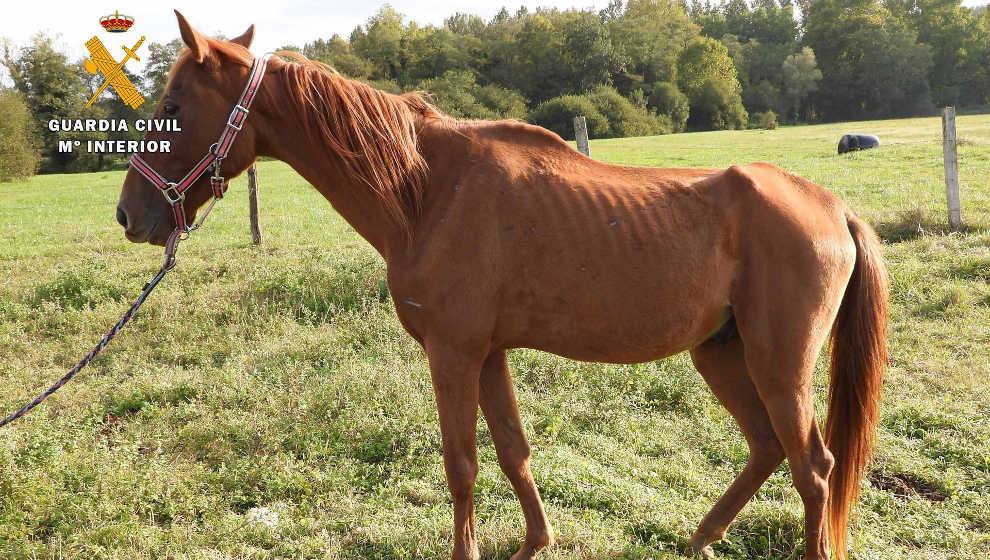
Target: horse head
{"points": [[203, 86]]}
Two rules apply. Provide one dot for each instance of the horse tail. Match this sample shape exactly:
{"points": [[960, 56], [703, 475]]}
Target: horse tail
{"points": [[859, 356]]}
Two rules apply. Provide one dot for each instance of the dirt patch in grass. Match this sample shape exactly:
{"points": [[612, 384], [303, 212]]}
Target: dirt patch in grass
{"points": [[906, 485]]}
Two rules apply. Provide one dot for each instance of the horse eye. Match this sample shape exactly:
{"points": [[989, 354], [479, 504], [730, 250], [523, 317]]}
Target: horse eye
{"points": [[170, 109]]}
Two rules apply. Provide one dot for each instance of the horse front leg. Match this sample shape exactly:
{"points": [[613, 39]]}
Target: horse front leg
{"points": [[498, 402], [455, 374]]}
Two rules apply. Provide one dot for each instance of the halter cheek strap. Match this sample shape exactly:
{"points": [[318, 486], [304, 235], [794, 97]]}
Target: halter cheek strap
{"points": [[175, 193]]}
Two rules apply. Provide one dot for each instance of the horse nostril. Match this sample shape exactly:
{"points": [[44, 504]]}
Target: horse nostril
{"points": [[121, 217]]}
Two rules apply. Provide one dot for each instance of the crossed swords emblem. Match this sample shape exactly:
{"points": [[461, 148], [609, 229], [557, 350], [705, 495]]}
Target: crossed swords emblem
{"points": [[113, 72]]}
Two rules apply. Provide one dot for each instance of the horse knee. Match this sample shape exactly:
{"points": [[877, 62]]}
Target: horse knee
{"points": [[515, 461], [826, 462], [812, 482], [766, 453], [461, 474]]}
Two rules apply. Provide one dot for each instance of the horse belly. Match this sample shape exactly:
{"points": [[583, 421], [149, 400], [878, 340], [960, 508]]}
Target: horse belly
{"points": [[620, 312]]}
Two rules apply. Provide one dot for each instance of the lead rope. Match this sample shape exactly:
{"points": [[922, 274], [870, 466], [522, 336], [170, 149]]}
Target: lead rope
{"points": [[175, 195], [173, 242]]}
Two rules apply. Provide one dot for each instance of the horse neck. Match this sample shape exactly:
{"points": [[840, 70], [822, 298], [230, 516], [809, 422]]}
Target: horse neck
{"points": [[282, 138]]}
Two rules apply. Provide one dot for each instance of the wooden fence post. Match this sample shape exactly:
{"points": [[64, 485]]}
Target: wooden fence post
{"points": [[581, 135], [951, 166], [253, 202]]}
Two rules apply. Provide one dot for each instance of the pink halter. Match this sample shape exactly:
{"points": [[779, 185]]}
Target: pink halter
{"points": [[175, 193]]}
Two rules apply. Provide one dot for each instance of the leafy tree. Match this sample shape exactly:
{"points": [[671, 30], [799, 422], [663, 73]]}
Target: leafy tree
{"points": [[708, 77], [538, 67], [459, 95], [429, 52], [716, 105], [52, 89], [649, 34], [588, 50], [768, 21], [466, 24], [705, 59], [801, 76], [380, 42], [944, 26], [667, 100], [761, 96], [505, 103], [548, 53], [338, 54], [161, 57], [19, 141], [872, 62], [452, 94], [975, 68], [766, 120]]}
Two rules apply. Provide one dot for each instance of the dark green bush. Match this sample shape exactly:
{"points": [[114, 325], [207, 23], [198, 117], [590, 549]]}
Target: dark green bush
{"points": [[506, 103], [452, 94], [667, 100], [624, 118], [459, 95], [390, 86], [762, 96], [767, 120], [558, 114], [718, 106]]}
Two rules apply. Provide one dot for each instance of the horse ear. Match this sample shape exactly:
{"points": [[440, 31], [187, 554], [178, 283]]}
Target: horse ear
{"points": [[192, 38], [244, 39]]}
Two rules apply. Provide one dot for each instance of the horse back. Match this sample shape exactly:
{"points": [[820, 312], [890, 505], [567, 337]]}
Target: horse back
{"points": [[528, 243]]}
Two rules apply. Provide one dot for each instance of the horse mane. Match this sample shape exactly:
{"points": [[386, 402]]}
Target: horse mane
{"points": [[372, 132]]}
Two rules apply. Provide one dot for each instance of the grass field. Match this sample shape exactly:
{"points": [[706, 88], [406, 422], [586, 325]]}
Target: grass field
{"points": [[267, 404]]}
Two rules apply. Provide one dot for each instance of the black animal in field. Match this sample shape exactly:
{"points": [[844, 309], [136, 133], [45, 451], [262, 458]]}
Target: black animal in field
{"points": [[853, 142]]}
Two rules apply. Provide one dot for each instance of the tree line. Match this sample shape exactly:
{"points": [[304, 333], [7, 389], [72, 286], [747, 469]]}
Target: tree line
{"points": [[637, 67]]}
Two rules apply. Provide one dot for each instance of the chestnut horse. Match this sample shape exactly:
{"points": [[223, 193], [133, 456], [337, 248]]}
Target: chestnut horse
{"points": [[499, 235]]}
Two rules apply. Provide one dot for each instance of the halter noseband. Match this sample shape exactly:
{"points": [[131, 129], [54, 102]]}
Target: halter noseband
{"points": [[175, 193]]}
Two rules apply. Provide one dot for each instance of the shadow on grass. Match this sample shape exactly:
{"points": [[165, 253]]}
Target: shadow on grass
{"points": [[940, 307], [914, 223], [775, 535]]}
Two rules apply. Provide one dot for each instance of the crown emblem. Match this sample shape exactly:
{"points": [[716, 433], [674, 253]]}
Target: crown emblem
{"points": [[116, 23]]}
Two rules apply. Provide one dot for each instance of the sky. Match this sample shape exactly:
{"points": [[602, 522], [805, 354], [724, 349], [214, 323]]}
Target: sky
{"points": [[277, 22]]}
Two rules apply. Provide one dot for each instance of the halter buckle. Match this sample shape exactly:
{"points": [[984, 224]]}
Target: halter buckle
{"points": [[233, 113], [172, 194]]}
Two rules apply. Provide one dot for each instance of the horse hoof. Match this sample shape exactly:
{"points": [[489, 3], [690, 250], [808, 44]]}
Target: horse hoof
{"points": [[707, 553], [525, 553], [698, 551], [529, 550]]}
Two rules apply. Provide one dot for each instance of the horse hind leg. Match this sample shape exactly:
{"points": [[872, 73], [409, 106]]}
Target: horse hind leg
{"points": [[792, 412], [721, 363], [782, 339]]}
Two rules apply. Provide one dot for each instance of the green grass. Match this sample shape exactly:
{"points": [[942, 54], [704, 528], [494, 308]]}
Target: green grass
{"points": [[278, 377]]}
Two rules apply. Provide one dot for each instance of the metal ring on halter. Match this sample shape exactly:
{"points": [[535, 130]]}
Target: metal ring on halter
{"points": [[173, 198]]}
